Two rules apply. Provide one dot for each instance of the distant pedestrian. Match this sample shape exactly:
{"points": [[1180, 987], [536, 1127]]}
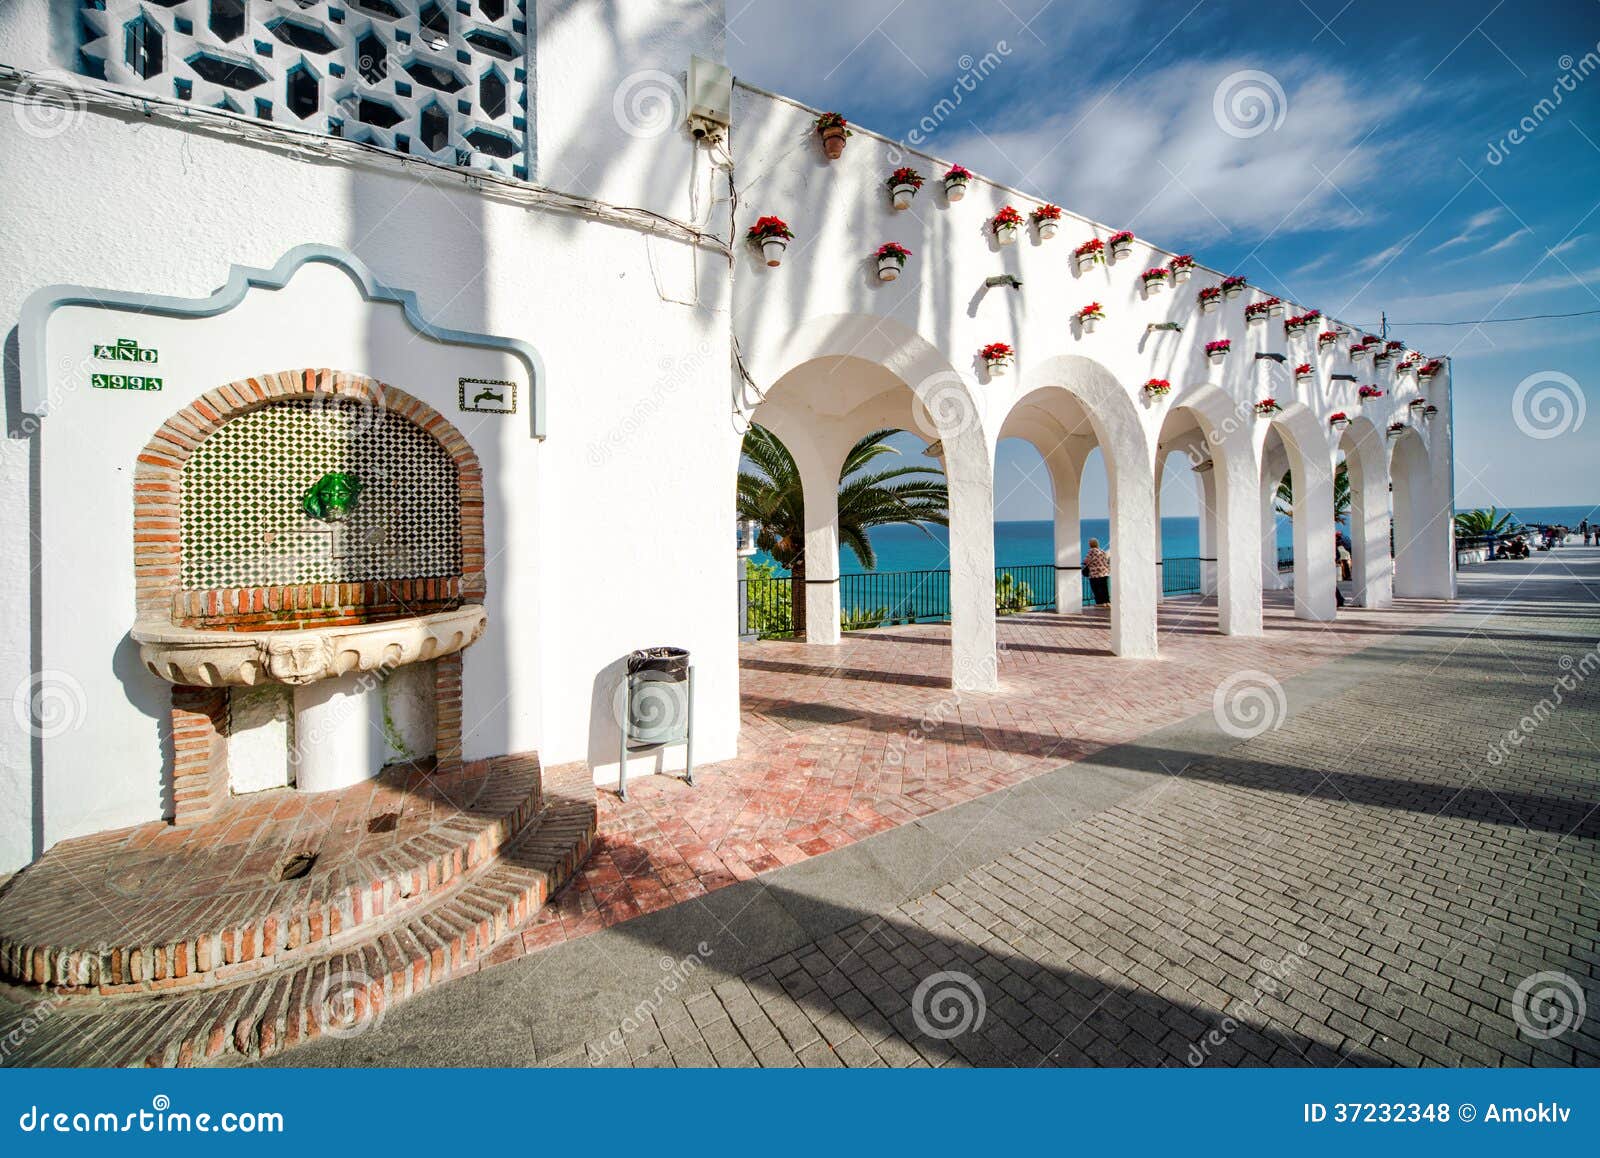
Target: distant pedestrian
{"points": [[1097, 565]]}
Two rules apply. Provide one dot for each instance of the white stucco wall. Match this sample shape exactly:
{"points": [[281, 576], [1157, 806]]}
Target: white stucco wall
{"points": [[598, 536]]}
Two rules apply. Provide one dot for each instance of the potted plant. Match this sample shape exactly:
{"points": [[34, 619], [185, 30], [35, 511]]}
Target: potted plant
{"points": [[1210, 298], [1218, 350], [833, 129], [1303, 372], [1299, 322], [1359, 351], [955, 183], [1369, 393], [1416, 405], [1275, 307], [1047, 220], [1157, 387], [1088, 253], [1429, 411], [903, 185], [1406, 364], [1121, 243], [997, 357], [1232, 287], [1267, 406], [1089, 316], [1327, 338], [1155, 280], [1429, 369], [1182, 268], [1395, 429], [1005, 225], [1338, 420], [891, 260], [773, 236], [1257, 311], [1382, 356]]}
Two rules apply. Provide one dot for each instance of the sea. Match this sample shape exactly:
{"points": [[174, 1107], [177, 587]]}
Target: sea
{"points": [[905, 548]]}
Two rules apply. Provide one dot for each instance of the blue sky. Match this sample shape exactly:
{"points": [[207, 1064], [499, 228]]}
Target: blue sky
{"points": [[1384, 178]]}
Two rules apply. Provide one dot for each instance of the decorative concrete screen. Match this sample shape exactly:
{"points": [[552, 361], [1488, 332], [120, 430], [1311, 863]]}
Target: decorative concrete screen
{"points": [[245, 491], [441, 79]]}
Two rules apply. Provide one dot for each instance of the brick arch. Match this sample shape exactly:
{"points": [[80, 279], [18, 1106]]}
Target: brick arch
{"points": [[198, 773], [157, 486]]}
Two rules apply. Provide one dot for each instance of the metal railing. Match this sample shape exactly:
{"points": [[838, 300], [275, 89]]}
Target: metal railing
{"points": [[883, 598], [1285, 559]]}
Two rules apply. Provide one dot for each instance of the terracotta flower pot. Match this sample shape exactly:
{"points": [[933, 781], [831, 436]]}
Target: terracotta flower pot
{"points": [[833, 142], [772, 250], [888, 268], [902, 195]]}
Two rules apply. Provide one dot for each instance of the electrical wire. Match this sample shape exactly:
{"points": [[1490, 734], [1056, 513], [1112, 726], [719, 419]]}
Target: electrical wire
{"points": [[1494, 321]]}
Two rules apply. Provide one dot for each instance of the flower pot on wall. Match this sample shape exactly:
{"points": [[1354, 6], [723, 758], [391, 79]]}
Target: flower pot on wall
{"points": [[1088, 324], [889, 268], [1181, 275], [1005, 234], [833, 141], [902, 195], [954, 190], [1048, 229], [998, 369], [1217, 359], [772, 250], [1122, 249]]}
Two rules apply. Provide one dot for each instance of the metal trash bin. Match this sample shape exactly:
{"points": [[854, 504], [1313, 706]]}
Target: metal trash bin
{"points": [[658, 707]]}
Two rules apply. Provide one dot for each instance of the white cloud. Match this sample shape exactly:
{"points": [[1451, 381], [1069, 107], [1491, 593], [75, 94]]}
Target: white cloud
{"points": [[1474, 226]]}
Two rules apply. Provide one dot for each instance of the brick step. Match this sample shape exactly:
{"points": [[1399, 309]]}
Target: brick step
{"points": [[136, 911], [338, 993]]}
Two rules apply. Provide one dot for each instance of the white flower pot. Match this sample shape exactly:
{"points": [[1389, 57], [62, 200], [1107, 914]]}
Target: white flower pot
{"points": [[1275, 311], [1006, 234], [1232, 292], [1122, 250], [1339, 423], [955, 190], [1359, 355], [1154, 286], [1217, 359], [1252, 319], [772, 250], [1088, 324], [1179, 276], [1305, 379], [888, 268], [1048, 229], [998, 369], [1209, 306], [1086, 262], [902, 195]]}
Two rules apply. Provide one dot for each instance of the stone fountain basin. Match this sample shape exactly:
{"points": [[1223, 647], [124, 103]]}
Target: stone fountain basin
{"points": [[217, 657]]}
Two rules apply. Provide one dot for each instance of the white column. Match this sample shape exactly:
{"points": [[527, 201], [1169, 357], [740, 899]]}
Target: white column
{"points": [[1314, 573], [1235, 486], [1267, 545], [819, 480], [338, 733], [1207, 494], [1155, 520], [970, 476], [1371, 572], [1133, 559], [1066, 482]]}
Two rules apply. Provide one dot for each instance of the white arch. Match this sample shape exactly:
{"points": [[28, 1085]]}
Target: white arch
{"points": [[1307, 442]]}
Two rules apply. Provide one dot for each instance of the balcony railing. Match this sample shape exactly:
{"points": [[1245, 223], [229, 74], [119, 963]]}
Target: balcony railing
{"points": [[881, 598]]}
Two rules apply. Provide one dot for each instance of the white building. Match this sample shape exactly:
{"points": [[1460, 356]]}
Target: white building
{"points": [[479, 241]]}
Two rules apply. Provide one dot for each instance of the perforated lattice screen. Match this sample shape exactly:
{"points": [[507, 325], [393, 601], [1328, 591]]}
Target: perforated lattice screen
{"points": [[243, 525]]}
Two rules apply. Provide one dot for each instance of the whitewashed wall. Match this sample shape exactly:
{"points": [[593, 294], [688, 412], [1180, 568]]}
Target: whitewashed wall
{"points": [[603, 530]]}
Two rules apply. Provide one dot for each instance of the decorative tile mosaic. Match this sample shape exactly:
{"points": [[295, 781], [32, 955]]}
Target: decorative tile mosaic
{"points": [[441, 79], [243, 519]]}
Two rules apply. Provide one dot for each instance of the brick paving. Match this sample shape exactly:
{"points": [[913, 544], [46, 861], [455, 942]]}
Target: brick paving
{"points": [[838, 744], [1365, 884]]}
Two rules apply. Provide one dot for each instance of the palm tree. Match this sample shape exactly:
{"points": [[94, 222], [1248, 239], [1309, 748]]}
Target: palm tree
{"points": [[770, 494], [1480, 524], [1341, 495]]}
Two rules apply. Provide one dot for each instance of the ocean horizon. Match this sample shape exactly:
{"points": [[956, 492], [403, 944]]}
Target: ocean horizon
{"points": [[1018, 543]]}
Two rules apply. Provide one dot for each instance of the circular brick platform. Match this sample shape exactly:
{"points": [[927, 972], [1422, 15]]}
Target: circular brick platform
{"points": [[276, 875]]}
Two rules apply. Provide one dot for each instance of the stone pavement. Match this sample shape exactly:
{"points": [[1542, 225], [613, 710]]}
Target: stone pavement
{"points": [[1389, 859]]}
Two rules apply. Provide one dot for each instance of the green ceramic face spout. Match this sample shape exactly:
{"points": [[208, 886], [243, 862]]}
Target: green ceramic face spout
{"points": [[332, 497]]}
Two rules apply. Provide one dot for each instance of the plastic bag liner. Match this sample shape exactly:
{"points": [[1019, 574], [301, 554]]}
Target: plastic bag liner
{"points": [[665, 663]]}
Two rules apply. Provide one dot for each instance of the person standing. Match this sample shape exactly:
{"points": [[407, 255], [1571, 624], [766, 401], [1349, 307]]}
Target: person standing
{"points": [[1097, 566]]}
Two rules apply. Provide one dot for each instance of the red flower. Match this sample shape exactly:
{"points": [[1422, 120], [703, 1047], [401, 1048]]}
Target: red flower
{"points": [[1182, 261], [1220, 346], [1234, 282], [1093, 245], [1268, 406], [1210, 294], [1338, 416], [1369, 392], [1302, 369], [893, 249], [1155, 274], [957, 173], [1092, 310], [995, 352], [1158, 385], [906, 176], [1431, 367], [1006, 216], [1046, 213], [766, 227], [833, 121], [1327, 336], [1122, 237]]}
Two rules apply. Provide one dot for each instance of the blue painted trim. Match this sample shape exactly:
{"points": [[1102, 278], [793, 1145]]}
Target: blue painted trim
{"points": [[43, 302]]}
